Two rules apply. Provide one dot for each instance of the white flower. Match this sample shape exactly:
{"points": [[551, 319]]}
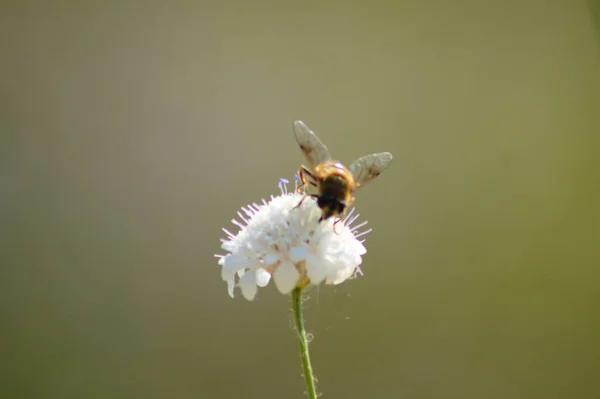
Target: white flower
{"points": [[288, 243]]}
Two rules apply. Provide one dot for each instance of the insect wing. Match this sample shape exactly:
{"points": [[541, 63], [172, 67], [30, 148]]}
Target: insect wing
{"points": [[366, 168], [314, 150]]}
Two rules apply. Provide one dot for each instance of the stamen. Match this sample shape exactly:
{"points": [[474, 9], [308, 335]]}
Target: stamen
{"points": [[238, 224], [242, 217], [229, 234], [358, 226], [362, 233], [296, 181], [352, 219], [283, 185], [348, 216]]}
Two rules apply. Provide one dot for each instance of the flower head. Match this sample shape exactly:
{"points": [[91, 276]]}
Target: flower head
{"points": [[279, 239]]}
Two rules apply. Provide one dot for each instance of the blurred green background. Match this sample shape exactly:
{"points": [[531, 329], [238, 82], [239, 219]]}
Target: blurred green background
{"points": [[131, 132]]}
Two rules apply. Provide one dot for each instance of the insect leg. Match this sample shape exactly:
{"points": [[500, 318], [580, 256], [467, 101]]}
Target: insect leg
{"points": [[336, 222], [303, 198], [303, 174]]}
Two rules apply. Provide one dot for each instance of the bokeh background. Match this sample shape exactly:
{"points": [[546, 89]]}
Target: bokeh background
{"points": [[131, 132]]}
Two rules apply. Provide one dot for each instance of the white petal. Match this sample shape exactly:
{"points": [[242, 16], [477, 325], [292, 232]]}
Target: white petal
{"points": [[340, 276], [248, 285], [230, 286], [285, 277], [228, 268], [316, 268], [262, 277], [298, 253], [227, 274], [270, 258], [359, 248], [228, 246], [234, 262]]}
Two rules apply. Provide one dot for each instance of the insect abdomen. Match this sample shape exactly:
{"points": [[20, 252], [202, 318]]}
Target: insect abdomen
{"points": [[334, 187], [333, 194]]}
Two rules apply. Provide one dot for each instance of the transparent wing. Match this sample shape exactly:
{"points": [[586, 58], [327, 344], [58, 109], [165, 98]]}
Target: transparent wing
{"points": [[366, 168], [314, 150]]}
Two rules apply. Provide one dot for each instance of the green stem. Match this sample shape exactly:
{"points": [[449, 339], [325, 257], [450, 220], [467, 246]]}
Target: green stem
{"points": [[309, 379]]}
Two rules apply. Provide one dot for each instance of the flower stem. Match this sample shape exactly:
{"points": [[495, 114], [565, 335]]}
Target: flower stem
{"points": [[309, 379]]}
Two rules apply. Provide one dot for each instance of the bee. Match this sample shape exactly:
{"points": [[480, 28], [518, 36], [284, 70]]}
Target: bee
{"points": [[335, 183]]}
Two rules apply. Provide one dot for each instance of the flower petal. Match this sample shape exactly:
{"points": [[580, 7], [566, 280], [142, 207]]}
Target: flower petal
{"points": [[298, 254], [232, 263], [248, 285], [286, 276], [230, 286], [359, 247], [262, 277], [316, 268], [340, 275], [270, 258]]}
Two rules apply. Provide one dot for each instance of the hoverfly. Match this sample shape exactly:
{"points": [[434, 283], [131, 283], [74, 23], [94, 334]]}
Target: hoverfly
{"points": [[334, 182]]}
